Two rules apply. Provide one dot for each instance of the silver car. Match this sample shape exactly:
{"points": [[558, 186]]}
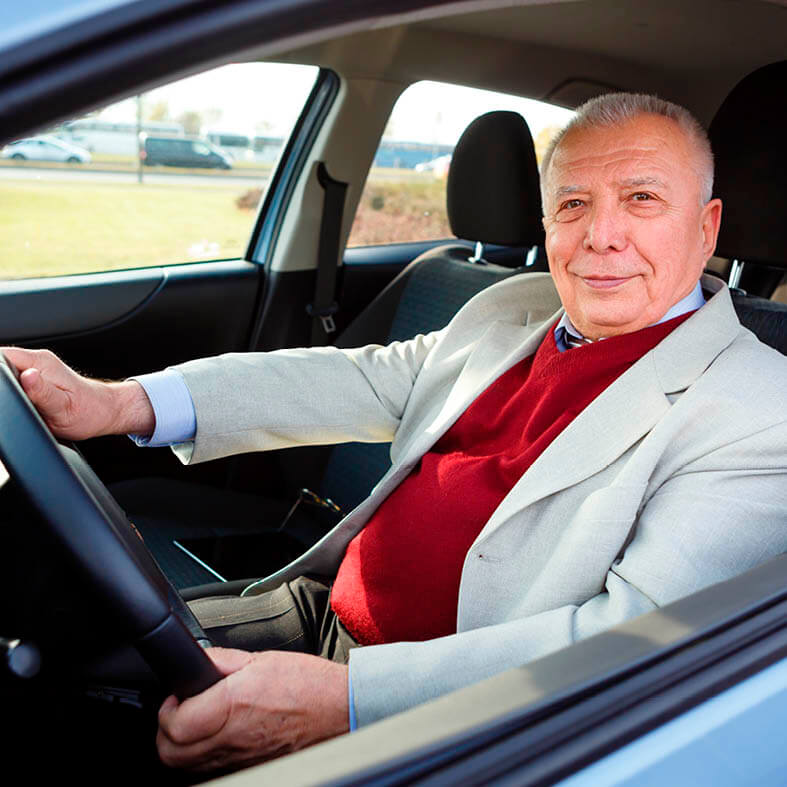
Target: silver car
{"points": [[45, 148]]}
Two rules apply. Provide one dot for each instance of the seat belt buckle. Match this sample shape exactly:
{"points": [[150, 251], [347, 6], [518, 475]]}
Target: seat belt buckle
{"points": [[325, 315]]}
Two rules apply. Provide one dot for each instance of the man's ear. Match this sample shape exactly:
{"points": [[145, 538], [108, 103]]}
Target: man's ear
{"points": [[711, 221]]}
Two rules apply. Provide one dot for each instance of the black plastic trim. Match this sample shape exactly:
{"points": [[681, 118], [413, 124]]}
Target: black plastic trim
{"points": [[404, 253], [72, 304], [69, 307]]}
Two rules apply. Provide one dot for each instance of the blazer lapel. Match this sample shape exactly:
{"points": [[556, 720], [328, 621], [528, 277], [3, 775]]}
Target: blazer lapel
{"points": [[501, 346], [604, 430]]}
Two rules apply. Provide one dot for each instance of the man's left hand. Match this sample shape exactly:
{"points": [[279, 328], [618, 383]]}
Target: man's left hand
{"points": [[268, 704]]}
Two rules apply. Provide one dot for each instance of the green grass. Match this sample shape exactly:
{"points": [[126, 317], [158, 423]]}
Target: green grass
{"points": [[393, 211], [48, 229]]}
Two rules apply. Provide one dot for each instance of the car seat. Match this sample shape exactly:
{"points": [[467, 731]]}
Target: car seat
{"points": [[493, 197], [747, 137]]}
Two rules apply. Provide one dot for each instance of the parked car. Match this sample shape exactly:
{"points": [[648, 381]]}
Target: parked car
{"points": [[183, 152], [45, 148], [693, 692]]}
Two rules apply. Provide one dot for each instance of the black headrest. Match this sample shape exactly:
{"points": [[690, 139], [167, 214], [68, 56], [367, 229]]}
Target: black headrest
{"points": [[493, 193], [748, 140]]}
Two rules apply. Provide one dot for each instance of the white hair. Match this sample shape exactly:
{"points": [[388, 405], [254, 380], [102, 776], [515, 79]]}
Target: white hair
{"points": [[615, 109]]}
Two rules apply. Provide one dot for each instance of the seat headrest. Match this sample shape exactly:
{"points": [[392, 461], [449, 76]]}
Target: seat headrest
{"points": [[493, 186], [748, 140]]}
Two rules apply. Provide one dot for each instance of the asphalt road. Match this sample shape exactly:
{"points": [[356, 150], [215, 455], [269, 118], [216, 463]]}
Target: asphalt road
{"points": [[109, 176]]}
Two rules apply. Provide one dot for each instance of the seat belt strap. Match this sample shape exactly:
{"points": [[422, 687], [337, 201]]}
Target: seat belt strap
{"points": [[324, 305]]}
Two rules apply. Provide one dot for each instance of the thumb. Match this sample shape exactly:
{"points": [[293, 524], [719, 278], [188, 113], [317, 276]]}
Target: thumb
{"points": [[45, 396], [229, 660]]}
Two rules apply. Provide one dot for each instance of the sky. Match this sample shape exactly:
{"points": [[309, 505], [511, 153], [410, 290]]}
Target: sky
{"points": [[266, 98]]}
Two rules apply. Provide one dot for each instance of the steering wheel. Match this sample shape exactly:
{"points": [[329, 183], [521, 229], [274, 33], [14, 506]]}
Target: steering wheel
{"points": [[95, 531]]}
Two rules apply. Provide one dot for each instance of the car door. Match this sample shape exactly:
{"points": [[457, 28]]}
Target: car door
{"points": [[122, 272], [45, 151]]}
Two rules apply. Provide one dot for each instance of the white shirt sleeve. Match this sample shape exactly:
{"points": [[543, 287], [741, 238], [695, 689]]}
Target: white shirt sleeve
{"points": [[176, 420]]}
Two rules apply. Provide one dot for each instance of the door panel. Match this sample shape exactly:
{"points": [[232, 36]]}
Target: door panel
{"points": [[113, 325]]}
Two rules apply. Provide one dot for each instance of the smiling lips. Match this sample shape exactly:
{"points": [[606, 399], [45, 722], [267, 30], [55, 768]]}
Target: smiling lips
{"points": [[604, 282]]}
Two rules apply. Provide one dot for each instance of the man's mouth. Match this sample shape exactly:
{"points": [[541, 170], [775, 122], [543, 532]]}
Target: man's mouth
{"points": [[604, 282]]}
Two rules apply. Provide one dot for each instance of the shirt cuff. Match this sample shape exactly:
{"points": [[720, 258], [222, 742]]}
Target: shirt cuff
{"points": [[176, 420]]}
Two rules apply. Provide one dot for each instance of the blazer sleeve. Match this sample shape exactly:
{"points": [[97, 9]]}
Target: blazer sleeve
{"points": [[718, 516], [261, 401]]}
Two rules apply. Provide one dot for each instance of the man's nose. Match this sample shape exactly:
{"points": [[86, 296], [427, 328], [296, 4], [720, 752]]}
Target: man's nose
{"points": [[606, 229]]}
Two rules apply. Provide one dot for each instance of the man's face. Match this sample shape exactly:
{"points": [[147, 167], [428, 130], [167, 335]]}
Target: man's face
{"points": [[626, 236]]}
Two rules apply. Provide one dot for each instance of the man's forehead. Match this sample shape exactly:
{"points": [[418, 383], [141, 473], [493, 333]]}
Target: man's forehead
{"points": [[642, 151]]}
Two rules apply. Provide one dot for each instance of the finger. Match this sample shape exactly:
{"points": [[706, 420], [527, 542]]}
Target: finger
{"points": [[201, 756], [168, 706], [196, 718]]}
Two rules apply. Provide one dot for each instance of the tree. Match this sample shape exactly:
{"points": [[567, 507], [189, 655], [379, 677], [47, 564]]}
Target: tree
{"points": [[157, 112], [542, 140], [191, 121]]}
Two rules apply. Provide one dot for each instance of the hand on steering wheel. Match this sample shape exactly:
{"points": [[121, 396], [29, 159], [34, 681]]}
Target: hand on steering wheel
{"points": [[89, 523]]}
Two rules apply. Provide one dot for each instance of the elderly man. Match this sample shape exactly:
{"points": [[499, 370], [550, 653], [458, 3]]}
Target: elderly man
{"points": [[545, 485]]}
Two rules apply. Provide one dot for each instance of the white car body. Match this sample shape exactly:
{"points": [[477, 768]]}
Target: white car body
{"points": [[43, 148]]}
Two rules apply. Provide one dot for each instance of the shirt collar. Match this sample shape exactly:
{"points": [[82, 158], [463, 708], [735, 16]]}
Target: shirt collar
{"points": [[694, 300]]}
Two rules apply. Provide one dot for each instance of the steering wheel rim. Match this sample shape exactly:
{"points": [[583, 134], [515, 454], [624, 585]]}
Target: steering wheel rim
{"points": [[88, 522]]}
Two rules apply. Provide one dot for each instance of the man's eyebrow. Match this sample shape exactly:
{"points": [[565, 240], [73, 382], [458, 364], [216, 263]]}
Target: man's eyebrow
{"points": [[563, 190], [643, 180]]}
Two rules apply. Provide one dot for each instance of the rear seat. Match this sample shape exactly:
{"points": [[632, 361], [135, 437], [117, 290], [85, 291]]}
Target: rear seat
{"points": [[747, 136]]}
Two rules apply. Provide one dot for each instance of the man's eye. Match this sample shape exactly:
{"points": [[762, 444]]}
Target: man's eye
{"points": [[641, 196], [571, 204]]}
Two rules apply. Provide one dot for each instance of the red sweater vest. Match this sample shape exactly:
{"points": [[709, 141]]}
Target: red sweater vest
{"points": [[399, 579]]}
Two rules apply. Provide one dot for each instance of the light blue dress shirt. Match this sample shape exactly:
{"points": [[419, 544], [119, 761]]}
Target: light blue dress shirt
{"points": [[176, 420]]}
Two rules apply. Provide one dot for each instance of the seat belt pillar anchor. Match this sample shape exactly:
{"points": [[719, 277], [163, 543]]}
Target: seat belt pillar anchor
{"points": [[325, 315]]}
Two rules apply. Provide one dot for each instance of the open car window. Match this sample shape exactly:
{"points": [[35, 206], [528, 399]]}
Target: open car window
{"points": [[173, 175], [404, 198]]}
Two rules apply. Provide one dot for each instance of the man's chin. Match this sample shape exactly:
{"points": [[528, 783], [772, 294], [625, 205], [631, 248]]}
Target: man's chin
{"points": [[605, 323]]}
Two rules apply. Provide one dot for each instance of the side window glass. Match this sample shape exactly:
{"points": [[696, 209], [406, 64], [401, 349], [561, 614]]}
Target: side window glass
{"points": [[171, 176], [404, 196]]}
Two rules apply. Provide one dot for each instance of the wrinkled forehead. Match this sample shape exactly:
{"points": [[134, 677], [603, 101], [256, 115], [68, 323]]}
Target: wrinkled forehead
{"points": [[647, 147]]}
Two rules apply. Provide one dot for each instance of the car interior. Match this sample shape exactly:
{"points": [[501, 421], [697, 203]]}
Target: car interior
{"points": [[215, 527]]}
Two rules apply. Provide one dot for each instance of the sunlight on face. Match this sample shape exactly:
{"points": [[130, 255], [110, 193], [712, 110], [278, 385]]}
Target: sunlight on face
{"points": [[626, 235]]}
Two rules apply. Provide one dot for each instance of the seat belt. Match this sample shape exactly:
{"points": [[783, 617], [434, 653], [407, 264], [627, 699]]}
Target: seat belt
{"points": [[324, 305]]}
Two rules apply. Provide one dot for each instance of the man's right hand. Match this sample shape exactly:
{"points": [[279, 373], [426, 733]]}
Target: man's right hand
{"points": [[76, 407]]}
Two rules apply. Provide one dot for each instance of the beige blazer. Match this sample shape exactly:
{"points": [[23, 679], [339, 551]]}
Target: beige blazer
{"points": [[673, 479]]}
